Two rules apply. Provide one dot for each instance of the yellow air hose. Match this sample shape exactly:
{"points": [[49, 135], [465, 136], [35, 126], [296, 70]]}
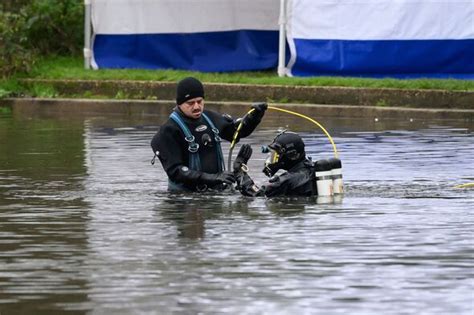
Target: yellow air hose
{"points": [[236, 133], [467, 185]]}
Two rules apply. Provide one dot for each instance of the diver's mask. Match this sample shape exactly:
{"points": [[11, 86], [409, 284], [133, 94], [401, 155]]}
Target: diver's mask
{"points": [[272, 163]]}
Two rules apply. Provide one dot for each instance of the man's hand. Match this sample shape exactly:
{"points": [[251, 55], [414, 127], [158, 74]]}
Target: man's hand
{"points": [[260, 107], [243, 157], [216, 179]]}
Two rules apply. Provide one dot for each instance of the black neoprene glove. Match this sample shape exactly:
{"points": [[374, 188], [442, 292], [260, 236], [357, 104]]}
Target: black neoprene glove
{"points": [[260, 107], [243, 157], [216, 179]]}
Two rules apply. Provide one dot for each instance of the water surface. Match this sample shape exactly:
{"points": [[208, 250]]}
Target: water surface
{"points": [[86, 224]]}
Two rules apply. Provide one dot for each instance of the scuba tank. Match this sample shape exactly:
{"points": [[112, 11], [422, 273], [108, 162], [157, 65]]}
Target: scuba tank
{"points": [[324, 180], [336, 175]]}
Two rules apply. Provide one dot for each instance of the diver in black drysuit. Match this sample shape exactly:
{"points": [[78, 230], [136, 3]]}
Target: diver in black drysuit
{"points": [[188, 144], [285, 152]]}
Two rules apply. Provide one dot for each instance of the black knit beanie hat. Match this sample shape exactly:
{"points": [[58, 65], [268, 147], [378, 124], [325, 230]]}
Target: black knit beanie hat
{"points": [[188, 88]]}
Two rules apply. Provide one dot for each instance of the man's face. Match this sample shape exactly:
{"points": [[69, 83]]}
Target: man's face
{"points": [[193, 108]]}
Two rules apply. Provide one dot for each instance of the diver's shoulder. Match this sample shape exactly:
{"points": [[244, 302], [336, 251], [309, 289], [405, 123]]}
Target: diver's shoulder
{"points": [[168, 127], [216, 116]]}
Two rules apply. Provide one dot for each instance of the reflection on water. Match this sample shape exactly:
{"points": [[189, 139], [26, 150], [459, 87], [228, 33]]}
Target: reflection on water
{"points": [[86, 225]]}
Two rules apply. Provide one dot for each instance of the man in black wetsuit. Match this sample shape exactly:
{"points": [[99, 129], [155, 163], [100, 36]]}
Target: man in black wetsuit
{"points": [[188, 144], [285, 152]]}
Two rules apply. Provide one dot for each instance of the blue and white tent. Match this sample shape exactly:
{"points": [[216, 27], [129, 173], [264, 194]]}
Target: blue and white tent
{"points": [[201, 35], [374, 38], [396, 38]]}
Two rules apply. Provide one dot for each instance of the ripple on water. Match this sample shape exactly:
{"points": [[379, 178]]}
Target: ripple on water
{"points": [[96, 231]]}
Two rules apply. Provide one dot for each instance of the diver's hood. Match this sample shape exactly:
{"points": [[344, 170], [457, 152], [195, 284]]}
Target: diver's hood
{"points": [[286, 150]]}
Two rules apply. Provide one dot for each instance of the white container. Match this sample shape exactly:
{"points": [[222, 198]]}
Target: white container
{"points": [[336, 175], [325, 200], [337, 199], [324, 181]]}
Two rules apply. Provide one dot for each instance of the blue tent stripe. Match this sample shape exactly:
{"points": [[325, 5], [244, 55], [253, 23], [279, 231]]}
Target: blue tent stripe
{"points": [[391, 58], [208, 52]]}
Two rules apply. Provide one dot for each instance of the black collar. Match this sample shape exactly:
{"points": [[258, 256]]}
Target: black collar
{"points": [[304, 164]]}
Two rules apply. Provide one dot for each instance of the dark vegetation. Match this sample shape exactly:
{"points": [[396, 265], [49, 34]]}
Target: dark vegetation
{"points": [[36, 28]]}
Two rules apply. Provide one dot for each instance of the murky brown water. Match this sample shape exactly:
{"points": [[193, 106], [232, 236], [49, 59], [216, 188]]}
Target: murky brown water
{"points": [[86, 224]]}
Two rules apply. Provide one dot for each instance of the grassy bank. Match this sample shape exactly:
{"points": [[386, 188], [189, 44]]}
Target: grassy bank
{"points": [[69, 68]]}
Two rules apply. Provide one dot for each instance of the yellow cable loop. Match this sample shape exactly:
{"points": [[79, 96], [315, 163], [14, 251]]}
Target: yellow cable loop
{"points": [[311, 120], [467, 185], [232, 145], [236, 133]]}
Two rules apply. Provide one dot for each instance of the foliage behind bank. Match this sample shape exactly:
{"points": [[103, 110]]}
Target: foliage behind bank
{"points": [[31, 29]]}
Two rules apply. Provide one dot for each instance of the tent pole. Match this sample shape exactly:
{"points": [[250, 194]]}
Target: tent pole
{"points": [[87, 34], [282, 40]]}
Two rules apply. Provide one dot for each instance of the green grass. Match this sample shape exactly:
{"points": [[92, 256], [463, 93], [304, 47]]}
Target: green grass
{"points": [[73, 69], [10, 87]]}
